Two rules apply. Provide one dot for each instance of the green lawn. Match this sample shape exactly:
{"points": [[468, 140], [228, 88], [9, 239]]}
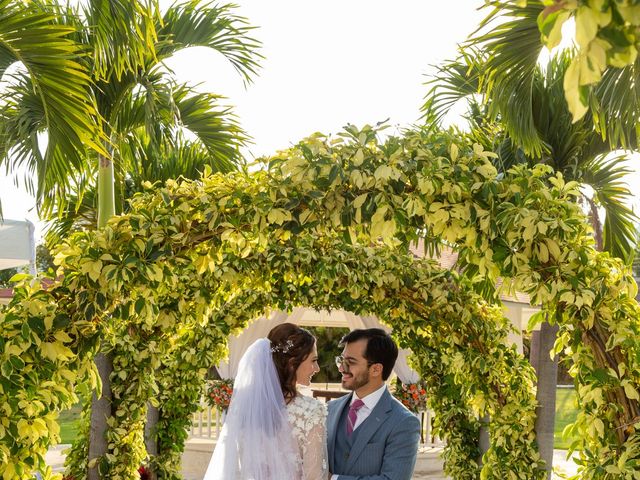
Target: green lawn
{"points": [[566, 412], [68, 422]]}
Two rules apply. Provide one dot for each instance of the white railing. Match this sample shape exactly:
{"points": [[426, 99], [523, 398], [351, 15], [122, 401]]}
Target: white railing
{"points": [[207, 422]]}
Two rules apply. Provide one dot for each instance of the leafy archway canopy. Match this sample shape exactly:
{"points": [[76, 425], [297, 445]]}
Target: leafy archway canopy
{"points": [[328, 224]]}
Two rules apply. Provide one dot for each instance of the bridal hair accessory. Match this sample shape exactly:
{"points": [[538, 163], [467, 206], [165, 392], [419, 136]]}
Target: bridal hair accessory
{"points": [[282, 348]]}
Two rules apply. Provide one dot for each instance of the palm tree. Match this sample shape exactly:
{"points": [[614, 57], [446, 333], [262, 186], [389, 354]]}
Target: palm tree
{"points": [[130, 93], [574, 149], [509, 38], [92, 80], [50, 66]]}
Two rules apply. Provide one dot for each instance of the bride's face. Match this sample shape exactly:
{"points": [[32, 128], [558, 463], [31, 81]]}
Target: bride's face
{"points": [[308, 368]]}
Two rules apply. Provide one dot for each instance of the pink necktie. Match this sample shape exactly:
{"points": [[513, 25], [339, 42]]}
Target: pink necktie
{"points": [[353, 415]]}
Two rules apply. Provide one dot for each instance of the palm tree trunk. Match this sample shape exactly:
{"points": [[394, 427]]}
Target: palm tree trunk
{"points": [[106, 191], [100, 413], [101, 407], [547, 373], [594, 217], [150, 432]]}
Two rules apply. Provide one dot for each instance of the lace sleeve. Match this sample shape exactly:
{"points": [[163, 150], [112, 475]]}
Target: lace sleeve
{"points": [[314, 450]]}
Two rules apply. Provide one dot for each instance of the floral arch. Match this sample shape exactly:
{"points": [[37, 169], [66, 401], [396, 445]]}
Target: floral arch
{"points": [[328, 225]]}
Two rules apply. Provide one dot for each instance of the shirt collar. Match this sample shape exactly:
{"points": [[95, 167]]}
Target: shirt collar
{"points": [[371, 400]]}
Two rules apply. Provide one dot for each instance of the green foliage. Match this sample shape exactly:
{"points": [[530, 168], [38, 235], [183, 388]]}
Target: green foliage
{"points": [[606, 36], [57, 93], [328, 339], [328, 225]]}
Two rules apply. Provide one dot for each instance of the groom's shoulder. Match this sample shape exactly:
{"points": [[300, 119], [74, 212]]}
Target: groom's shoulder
{"points": [[401, 411], [332, 404]]}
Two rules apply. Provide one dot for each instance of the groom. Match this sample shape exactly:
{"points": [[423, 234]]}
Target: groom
{"points": [[370, 434]]}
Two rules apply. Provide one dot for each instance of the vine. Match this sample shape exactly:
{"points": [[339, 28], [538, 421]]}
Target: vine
{"points": [[328, 225]]}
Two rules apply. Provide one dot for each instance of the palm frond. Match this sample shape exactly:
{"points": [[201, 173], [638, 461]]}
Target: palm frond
{"points": [[182, 158], [510, 40], [123, 35], [197, 23], [34, 37], [213, 124], [162, 108], [22, 120], [78, 213], [21, 117], [6, 59], [567, 144], [607, 178], [453, 81], [615, 106], [68, 15]]}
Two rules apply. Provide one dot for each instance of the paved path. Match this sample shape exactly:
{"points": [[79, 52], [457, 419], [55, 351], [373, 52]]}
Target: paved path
{"points": [[428, 467]]}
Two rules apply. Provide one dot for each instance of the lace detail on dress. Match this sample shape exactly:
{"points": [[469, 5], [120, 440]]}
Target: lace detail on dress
{"points": [[308, 417]]}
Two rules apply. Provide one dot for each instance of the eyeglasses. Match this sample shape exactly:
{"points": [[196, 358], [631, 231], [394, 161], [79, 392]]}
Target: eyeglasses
{"points": [[348, 362]]}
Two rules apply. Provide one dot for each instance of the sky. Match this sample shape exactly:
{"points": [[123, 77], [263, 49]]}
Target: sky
{"points": [[327, 63]]}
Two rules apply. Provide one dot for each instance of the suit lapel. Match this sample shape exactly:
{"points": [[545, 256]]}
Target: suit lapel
{"points": [[332, 424], [374, 421]]}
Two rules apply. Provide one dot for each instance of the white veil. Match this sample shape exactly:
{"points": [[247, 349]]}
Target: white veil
{"points": [[256, 441]]}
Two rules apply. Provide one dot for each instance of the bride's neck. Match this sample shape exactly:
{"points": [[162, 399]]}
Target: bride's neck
{"points": [[291, 399]]}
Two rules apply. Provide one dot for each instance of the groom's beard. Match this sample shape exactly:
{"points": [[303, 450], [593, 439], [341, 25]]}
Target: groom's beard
{"points": [[356, 381]]}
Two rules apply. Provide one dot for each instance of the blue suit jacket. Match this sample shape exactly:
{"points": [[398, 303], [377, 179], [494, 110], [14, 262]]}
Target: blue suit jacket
{"points": [[385, 448]]}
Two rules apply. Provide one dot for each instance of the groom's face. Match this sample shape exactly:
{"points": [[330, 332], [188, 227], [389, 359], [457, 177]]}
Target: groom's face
{"points": [[355, 368]]}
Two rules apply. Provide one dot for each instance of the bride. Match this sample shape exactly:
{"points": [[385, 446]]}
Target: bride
{"points": [[272, 432]]}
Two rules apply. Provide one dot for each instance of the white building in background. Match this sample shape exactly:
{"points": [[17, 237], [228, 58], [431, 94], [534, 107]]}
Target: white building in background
{"points": [[17, 248]]}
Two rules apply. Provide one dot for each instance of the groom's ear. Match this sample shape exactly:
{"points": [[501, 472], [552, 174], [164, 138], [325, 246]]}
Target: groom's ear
{"points": [[376, 369]]}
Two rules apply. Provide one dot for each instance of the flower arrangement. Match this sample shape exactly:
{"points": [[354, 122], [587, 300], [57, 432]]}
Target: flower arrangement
{"points": [[412, 395], [219, 393]]}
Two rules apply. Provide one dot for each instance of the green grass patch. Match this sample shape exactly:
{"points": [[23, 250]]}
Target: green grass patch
{"points": [[566, 413], [68, 421]]}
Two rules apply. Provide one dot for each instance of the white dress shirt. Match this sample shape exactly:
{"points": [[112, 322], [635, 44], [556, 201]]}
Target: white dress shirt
{"points": [[370, 401]]}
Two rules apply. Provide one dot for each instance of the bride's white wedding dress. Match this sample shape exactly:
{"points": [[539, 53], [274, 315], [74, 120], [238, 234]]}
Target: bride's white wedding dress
{"points": [[264, 439], [307, 417]]}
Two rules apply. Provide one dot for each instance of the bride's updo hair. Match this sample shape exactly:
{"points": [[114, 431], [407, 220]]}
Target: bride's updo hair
{"points": [[290, 346]]}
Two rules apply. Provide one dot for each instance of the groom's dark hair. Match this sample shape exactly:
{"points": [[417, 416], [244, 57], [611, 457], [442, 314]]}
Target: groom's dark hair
{"points": [[380, 347]]}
